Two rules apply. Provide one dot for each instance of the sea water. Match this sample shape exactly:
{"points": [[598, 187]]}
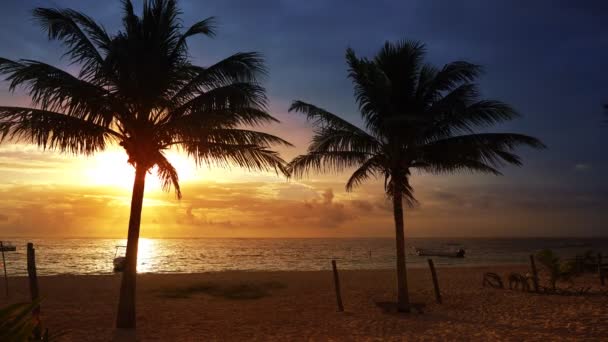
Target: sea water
{"points": [[94, 256]]}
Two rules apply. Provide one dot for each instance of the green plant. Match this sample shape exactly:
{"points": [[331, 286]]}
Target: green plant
{"points": [[18, 325], [557, 269], [236, 291]]}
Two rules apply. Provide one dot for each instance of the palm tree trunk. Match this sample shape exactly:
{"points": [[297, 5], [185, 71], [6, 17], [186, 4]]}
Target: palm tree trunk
{"points": [[126, 304], [403, 301]]}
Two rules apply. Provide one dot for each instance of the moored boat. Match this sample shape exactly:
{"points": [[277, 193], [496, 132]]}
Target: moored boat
{"points": [[459, 253], [119, 261], [8, 247]]}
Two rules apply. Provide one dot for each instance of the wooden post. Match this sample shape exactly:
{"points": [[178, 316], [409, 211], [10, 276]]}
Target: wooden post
{"points": [[4, 266], [599, 268], [337, 286], [33, 278], [534, 273], [435, 281]]}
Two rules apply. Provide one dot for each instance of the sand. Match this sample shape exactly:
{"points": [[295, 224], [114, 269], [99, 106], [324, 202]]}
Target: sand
{"points": [[301, 306]]}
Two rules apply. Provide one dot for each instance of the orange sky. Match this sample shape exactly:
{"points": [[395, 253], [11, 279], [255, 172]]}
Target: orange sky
{"points": [[48, 194]]}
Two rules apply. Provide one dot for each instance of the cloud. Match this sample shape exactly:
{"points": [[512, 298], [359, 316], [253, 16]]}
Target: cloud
{"points": [[249, 210], [328, 196], [582, 167]]}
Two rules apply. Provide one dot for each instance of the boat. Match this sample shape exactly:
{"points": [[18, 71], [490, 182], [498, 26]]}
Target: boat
{"points": [[119, 261], [8, 247], [457, 253]]}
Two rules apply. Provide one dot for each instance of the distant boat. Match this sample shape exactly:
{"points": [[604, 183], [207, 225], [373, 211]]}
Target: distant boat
{"points": [[8, 247], [459, 253], [119, 261], [574, 244]]}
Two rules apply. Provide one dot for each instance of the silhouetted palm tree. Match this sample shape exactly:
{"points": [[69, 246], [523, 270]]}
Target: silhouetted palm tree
{"points": [[416, 117], [138, 88]]}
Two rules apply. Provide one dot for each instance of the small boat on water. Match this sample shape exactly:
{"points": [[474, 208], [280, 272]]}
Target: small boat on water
{"points": [[458, 253], [8, 247], [119, 261]]}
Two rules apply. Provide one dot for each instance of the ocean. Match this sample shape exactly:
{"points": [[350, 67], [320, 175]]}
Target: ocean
{"points": [[94, 256]]}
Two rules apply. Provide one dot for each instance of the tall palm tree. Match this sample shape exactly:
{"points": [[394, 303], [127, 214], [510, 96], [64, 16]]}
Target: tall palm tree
{"points": [[137, 88], [416, 116]]}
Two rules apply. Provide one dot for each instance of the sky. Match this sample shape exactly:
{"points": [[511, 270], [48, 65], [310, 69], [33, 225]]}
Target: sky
{"points": [[545, 58]]}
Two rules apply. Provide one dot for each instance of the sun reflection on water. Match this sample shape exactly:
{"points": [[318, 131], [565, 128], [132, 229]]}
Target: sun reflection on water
{"points": [[146, 253]]}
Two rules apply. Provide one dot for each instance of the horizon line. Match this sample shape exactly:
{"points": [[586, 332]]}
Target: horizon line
{"points": [[309, 237]]}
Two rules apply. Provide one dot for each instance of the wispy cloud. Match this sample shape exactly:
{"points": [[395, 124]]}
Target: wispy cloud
{"points": [[582, 167]]}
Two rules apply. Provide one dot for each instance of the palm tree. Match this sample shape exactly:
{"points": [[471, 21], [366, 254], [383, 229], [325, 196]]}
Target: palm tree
{"points": [[137, 88], [416, 116]]}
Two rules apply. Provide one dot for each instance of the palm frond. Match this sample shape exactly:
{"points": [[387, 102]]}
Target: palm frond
{"points": [[452, 75], [249, 157], [322, 118], [16, 323], [131, 21], [369, 168], [457, 164], [426, 76], [372, 90], [207, 119], [54, 131], [240, 67], [56, 90], [491, 149], [232, 96], [334, 140], [167, 174], [205, 27], [401, 62], [325, 162], [63, 24], [461, 118], [400, 182], [245, 137]]}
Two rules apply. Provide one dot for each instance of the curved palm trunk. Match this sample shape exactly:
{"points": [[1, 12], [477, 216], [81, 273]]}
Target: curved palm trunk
{"points": [[126, 304], [403, 301]]}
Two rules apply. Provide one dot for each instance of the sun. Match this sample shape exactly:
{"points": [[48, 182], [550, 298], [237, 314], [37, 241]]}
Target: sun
{"points": [[111, 168]]}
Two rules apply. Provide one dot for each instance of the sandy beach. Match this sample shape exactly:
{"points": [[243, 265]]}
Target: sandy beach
{"points": [[301, 306]]}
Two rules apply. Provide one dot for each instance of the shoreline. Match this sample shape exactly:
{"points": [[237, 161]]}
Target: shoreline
{"points": [[301, 305], [412, 266]]}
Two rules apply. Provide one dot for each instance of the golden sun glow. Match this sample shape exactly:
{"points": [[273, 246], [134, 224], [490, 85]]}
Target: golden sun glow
{"points": [[111, 168]]}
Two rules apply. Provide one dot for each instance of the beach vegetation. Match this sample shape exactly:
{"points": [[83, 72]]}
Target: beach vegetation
{"points": [[238, 291]]}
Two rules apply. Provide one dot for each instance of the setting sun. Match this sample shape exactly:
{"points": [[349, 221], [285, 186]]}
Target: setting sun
{"points": [[110, 168]]}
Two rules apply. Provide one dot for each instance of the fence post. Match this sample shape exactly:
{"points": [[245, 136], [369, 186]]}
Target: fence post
{"points": [[337, 286], [33, 278], [435, 281], [4, 266], [534, 273], [599, 268]]}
